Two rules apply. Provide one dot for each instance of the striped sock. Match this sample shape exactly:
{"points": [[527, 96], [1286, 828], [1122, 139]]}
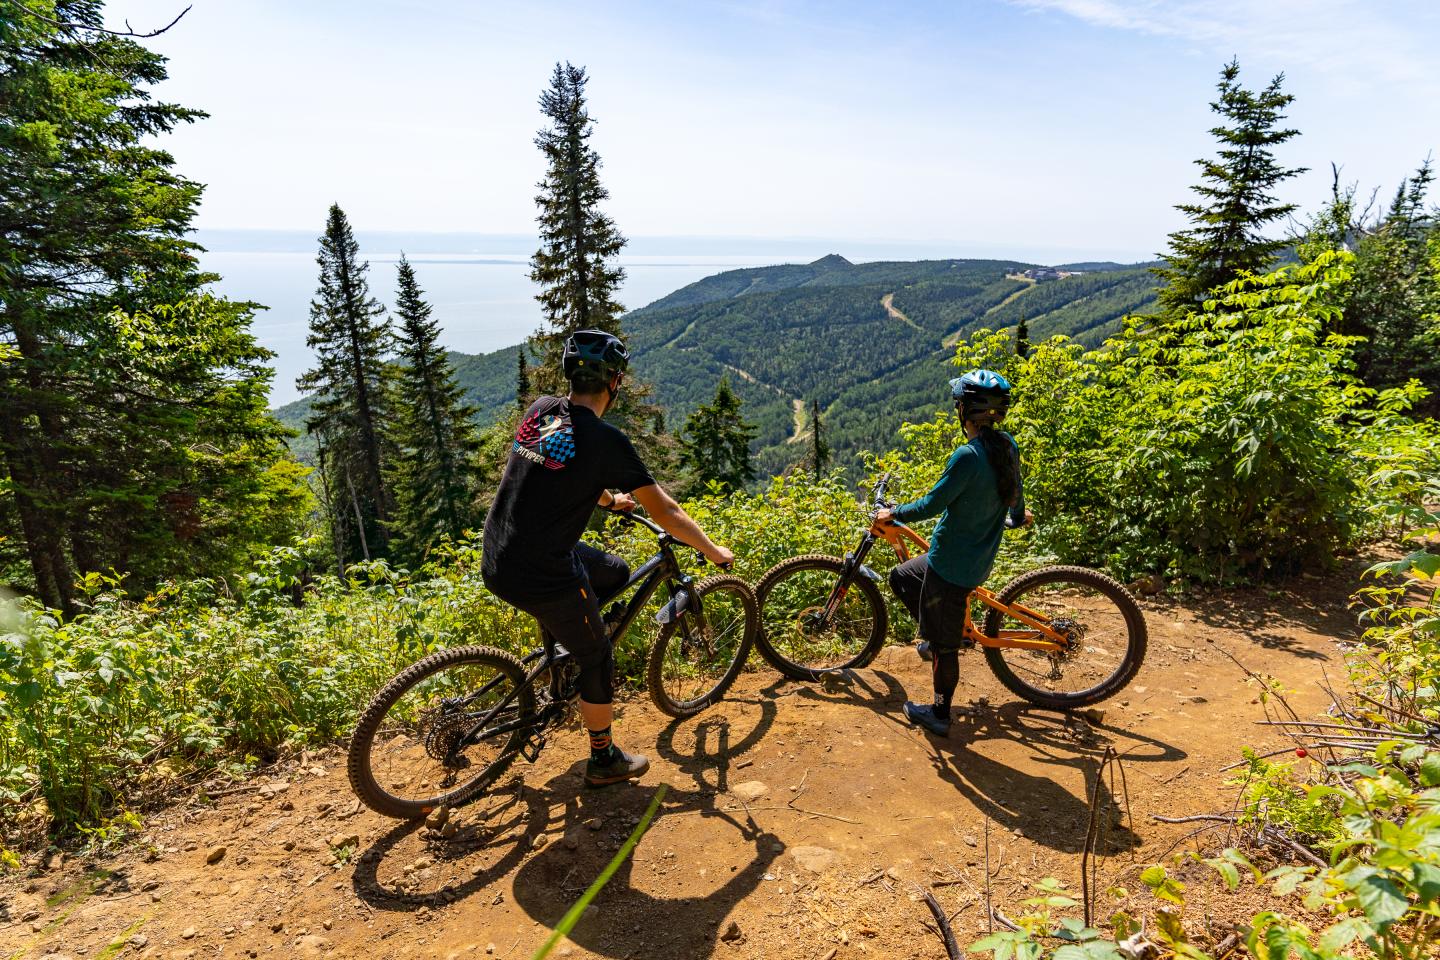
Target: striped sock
{"points": [[602, 748]]}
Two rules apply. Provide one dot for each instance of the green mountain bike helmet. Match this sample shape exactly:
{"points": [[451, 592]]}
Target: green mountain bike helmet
{"points": [[594, 355]]}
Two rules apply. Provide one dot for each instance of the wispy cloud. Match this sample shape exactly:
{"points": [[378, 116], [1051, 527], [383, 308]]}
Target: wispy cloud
{"points": [[1362, 44]]}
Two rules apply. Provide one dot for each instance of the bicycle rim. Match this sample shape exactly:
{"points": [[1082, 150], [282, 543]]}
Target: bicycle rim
{"points": [[1097, 614], [798, 636], [406, 758], [699, 655]]}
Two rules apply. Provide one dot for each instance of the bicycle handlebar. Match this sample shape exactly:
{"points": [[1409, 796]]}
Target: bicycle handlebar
{"points": [[659, 531]]}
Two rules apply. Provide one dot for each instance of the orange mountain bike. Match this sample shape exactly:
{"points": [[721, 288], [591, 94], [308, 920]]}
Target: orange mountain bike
{"points": [[1058, 636]]}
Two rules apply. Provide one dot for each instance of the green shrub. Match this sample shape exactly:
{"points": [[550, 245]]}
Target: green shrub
{"points": [[1234, 445]]}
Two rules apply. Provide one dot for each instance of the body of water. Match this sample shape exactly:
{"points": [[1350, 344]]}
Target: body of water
{"points": [[483, 301]]}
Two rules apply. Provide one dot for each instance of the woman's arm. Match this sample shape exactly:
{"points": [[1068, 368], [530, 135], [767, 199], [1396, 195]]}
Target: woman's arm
{"points": [[947, 489]]}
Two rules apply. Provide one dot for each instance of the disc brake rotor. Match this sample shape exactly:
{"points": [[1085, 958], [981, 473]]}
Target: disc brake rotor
{"points": [[1074, 633]]}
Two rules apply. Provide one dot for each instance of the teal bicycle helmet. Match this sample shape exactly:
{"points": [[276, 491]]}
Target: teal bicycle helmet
{"points": [[980, 391]]}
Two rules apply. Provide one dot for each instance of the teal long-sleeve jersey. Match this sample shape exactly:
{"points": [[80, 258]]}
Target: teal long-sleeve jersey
{"points": [[972, 518]]}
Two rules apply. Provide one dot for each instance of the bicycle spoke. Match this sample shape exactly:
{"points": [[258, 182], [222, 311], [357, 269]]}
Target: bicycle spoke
{"points": [[418, 752], [1096, 626]]}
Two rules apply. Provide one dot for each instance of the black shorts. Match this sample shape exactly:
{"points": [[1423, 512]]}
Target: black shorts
{"points": [[937, 605], [573, 619]]}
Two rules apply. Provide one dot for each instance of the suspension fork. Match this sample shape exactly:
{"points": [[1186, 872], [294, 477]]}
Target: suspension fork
{"points": [[850, 569]]}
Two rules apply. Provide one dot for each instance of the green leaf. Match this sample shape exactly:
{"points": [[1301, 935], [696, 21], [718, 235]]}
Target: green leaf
{"points": [[1336, 937], [1426, 879], [1430, 770], [1227, 872], [1382, 901]]}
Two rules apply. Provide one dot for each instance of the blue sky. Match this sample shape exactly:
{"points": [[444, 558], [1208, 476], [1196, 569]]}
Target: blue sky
{"points": [[992, 126]]}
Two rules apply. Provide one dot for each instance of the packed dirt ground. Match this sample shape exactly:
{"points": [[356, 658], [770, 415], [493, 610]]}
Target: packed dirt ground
{"points": [[800, 822]]}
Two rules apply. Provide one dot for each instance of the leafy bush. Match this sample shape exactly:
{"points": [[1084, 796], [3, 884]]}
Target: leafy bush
{"points": [[194, 674], [1235, 445]]}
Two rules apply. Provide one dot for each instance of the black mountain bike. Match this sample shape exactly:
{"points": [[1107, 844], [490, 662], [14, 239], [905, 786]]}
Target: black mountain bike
{"points": [[444, 730]]}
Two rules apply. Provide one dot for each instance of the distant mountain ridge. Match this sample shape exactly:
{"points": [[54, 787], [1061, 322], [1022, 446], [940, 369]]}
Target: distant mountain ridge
{"points": [[869, 341]]}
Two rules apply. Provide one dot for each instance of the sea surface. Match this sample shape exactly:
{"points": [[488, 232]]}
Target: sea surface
{"points": [[483, 301]]}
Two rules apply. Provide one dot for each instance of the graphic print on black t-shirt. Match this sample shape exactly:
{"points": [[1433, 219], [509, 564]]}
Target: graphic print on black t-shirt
{"points": [[562, 457], [546, 438]]}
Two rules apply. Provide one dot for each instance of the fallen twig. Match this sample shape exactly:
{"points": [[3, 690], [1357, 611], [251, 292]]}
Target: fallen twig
{"points": [[1003, 920], [952, 949]]}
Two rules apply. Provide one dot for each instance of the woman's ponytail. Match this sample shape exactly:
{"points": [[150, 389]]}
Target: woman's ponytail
{"points": [[1003, 462]]}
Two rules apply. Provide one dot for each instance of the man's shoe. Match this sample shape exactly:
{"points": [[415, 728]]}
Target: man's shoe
{"points": [[624, 766], [923, 648], [923, 715]]}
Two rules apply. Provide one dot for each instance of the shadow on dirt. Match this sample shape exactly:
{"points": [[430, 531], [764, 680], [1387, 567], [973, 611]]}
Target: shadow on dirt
{"points": [[657, 905], [411, 867], [1315, 603], [1036, 806]]}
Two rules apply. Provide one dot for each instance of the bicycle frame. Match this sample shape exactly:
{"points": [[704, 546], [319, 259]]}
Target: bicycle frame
{"points": [[663, 567], [1040, 636]]}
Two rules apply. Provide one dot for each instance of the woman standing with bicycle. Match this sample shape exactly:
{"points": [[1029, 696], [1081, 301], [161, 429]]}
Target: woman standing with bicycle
{"points": [[978, 496]]}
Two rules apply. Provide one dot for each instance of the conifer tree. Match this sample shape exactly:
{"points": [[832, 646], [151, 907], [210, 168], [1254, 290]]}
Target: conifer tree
{"points": [[351, 338], [818, 458], [133, 428], [575, 265], [1237, 197], [522, 379], [1022, 338], [435, 474], [715, 444]]}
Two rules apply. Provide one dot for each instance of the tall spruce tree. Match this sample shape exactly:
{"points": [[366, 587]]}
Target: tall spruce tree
{"points": [[351, 338], [817, 459], [1022, 338], [522, 379], [133, 428], [715, 445], [436, 442], [1237, 197], [576, 264]]}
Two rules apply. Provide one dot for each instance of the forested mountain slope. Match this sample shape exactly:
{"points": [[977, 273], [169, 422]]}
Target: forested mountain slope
{"points": [[870, 341]]}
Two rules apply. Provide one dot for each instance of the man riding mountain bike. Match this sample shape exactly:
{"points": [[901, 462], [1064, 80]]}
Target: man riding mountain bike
{"points": [[977, 497], [564, 462]]}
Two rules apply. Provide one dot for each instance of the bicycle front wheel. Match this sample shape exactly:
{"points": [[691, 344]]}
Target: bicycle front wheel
{"points": [[699, 654], [796, 636], [1102, 620], [408, 755]]}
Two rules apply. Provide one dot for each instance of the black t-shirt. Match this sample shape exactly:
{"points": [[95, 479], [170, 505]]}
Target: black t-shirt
{"points": [[562, 459]]}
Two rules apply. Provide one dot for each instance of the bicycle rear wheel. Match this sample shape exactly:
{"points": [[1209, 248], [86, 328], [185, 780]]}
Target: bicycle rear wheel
{"points": [[401, 763], [1103, 622], [699, 654], [795, 637]]}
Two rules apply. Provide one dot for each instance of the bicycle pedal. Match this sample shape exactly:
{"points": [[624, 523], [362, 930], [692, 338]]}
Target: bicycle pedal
{"points": [[532, 746]]}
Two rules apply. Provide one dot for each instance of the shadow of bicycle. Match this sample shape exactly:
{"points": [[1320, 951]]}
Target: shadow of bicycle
{"points": [[1015, 797]]}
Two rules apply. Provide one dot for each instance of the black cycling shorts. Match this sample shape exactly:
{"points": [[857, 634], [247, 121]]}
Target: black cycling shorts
{"points": [[573, 620], [937, 605]]}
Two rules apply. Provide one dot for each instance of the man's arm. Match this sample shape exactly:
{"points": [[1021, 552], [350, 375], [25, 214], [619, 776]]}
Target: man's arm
{"points": [[675, 521]]}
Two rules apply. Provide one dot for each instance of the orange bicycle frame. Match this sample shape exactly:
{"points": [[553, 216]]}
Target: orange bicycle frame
{"points": [[1039, 636]]}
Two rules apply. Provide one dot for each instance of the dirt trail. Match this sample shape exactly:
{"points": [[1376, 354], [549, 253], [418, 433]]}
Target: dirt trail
{"points": [[888, 302], [810, 820]]}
